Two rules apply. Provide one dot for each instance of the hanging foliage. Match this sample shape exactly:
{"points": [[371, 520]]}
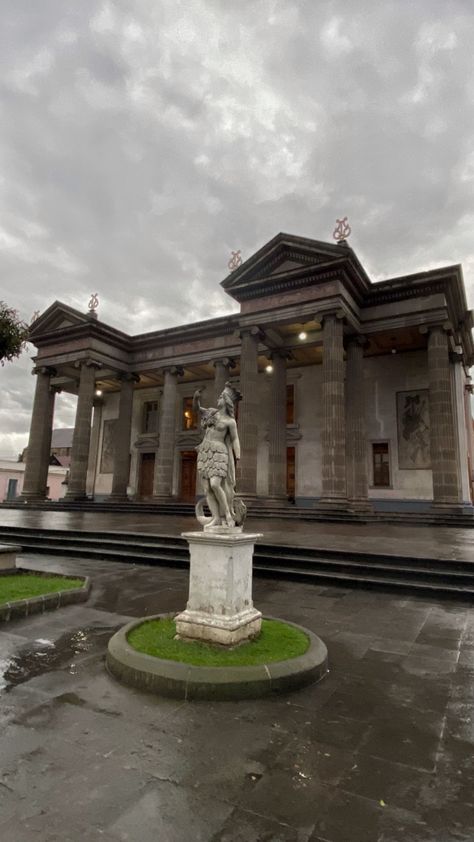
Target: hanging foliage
{"points": [[13, 333]]}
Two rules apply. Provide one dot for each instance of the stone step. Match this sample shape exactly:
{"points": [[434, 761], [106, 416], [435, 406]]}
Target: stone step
{"points": [[419, 569], [311, 564], [464, 521], [370, 581]]}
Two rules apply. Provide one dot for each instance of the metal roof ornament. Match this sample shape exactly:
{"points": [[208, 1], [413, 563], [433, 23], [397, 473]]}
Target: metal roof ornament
{"points": [[94, 302], [342, 230], [235, 261]]}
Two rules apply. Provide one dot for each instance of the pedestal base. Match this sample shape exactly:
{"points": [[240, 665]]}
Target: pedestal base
{"points": [[220, 608], [224, 631]]}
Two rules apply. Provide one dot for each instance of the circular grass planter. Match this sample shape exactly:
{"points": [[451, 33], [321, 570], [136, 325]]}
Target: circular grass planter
{"points": [[180, 680]]}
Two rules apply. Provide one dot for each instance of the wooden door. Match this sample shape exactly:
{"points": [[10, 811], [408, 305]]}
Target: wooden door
{"points": [[188, 475], [147, 471], [290, 473]]}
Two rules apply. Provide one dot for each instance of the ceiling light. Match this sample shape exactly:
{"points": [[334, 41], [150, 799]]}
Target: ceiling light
{"points": [[269, 368], [302, 335], [98, 393]]}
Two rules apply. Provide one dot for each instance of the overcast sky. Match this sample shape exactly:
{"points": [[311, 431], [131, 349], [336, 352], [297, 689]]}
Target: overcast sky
{"points": [[142, 140]]}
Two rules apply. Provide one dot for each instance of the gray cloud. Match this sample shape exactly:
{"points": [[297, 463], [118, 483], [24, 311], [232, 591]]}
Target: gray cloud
{"points": [[142, 141]]}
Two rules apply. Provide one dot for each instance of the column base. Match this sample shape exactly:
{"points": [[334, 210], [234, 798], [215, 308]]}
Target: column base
{"points": [[332, 504], [447, 508], [273, 500], [360, 506], [73, 496], [118, 498], [31, 498]]}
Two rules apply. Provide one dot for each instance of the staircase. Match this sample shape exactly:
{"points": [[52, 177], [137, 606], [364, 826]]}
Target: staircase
{"points": [[259, 510], [321, 567]]}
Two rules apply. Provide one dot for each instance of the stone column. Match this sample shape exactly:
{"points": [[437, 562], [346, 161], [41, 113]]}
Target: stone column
{"points": [[163, 483], [248, 413], [222, 368], [334, 493], [277, 428], [122, 438], [468, 390], [446, 490], [82, 432], [356, 428], [94, 446], [41, 430]]}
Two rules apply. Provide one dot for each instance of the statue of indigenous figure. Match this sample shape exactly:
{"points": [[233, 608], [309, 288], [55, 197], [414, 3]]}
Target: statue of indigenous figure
{"points": [[217, 453]]}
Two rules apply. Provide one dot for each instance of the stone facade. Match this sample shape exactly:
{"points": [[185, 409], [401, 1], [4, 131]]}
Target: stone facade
{"points": [[355, 395]]}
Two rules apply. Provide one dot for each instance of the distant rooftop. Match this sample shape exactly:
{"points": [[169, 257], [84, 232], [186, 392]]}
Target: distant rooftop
{"points": [[62, 437]]}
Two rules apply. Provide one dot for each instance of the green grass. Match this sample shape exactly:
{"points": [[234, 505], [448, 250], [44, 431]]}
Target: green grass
{"points": [[277, 642], [26, 585]]}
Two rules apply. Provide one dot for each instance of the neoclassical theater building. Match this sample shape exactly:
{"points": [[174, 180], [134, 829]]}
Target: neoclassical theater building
{"points": [[356, 395]]}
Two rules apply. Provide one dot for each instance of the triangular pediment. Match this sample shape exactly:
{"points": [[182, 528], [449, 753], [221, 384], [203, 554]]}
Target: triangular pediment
{"points": [[288, 260], [57, 317], [283, 256]]}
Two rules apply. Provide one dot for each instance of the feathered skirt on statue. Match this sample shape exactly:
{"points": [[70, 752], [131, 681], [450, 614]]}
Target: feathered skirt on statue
{"points": [[213, 459]]}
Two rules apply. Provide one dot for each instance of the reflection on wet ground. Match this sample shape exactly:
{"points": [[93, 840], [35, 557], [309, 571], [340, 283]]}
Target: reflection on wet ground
{"points": [[380, 751], [43, 655]]}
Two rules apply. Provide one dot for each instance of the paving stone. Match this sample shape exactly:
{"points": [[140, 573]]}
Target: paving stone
{"points": [[391, 722]]}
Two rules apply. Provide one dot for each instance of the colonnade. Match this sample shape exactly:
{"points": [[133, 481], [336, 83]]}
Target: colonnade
{"points": [[344, 471]]}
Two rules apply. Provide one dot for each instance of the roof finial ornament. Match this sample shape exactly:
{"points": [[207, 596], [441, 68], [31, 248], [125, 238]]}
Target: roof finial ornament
{"points": [[342, 230], [93, 304], [235, 260]]}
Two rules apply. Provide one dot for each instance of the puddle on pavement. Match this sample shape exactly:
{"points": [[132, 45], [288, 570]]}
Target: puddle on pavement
{"points": [[45, 655]]}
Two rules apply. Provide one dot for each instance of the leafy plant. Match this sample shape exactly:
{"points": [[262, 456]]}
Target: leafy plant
{"points": [[13, 333]]}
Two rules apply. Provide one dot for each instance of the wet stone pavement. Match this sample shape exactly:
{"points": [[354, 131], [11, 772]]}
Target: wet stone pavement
{"points": [[380, 751]]}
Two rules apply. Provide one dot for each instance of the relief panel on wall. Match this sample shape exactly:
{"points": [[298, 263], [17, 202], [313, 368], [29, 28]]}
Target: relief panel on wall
{"points": [[107, 456], [413, 424]]}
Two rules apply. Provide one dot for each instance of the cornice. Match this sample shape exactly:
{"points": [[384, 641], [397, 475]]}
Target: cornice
{"points": [[211, 328]]}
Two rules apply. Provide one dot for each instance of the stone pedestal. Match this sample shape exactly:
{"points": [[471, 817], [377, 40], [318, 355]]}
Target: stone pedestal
{"points": [[220, 608]]}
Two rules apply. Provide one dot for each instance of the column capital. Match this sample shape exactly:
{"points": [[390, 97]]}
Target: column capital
{"points": [[227, 362], [177, 370], [446, 327], [44, 369], [456, 355], [357, 339], [280, 353], [335, 313], [87, 363], [128, 377], [251, 330]]}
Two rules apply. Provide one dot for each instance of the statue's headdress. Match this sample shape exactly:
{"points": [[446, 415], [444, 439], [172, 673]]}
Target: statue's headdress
{"points": [[231, 396]]}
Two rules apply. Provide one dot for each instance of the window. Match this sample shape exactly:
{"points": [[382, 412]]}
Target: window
{"points": [[12, 489], [290, 404], [150, 417], [189, 418], [381, 464]]}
